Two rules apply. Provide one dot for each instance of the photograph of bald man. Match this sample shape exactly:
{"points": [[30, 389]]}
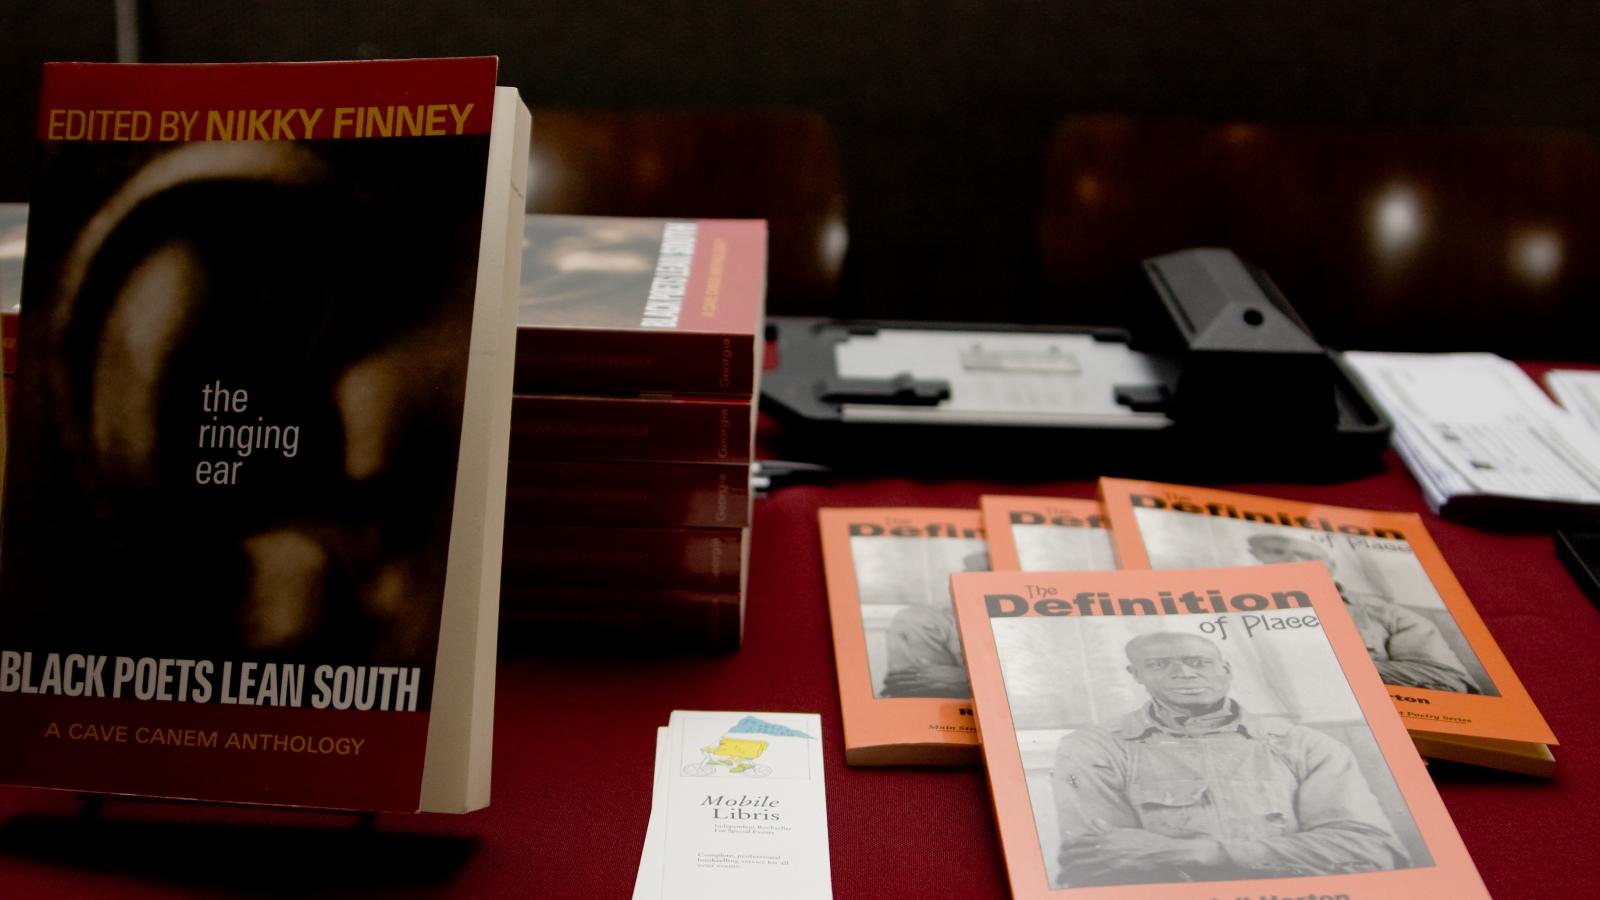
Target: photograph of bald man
{"points": [[1191, 786]]}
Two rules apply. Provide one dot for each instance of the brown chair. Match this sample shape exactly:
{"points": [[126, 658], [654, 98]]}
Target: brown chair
{"points": [[1428, 240], [780, 166]]}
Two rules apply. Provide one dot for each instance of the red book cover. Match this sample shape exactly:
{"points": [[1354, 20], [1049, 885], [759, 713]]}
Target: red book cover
{"points": [[628, 306], [650, 495], [668, 429], [700, 559], [223, 578]]}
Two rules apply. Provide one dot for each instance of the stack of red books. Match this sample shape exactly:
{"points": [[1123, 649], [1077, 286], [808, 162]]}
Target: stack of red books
{"points": [[638, 358]]}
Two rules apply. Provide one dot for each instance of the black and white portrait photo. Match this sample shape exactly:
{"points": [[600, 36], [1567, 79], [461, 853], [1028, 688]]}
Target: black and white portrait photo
{"points": [[1189, 748], [1046, 547], [913, 648], [1408, 630]]}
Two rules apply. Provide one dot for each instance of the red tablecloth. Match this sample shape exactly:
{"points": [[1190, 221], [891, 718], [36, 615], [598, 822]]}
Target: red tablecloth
{"points": [[574, 744]]}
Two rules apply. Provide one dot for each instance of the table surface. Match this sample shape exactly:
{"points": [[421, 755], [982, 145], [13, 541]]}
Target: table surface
{"points": [[574, 743]]}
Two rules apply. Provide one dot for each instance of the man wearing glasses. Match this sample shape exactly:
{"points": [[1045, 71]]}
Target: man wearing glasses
{"points": [[1193, 787]]}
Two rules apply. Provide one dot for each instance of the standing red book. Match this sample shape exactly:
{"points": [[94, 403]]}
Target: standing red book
{"points": [[255, 495], [628, 306]]}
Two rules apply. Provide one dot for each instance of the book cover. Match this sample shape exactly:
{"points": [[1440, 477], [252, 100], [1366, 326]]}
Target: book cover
{"points": [[644, 494], [1444, 670], [1043, 534], [1141, 746], [700, 559], [902, 680], [663, 429], [254, 500], [630, 305]]}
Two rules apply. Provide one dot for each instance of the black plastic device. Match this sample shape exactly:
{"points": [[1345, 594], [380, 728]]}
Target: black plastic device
{"points": [[1232, 385]]}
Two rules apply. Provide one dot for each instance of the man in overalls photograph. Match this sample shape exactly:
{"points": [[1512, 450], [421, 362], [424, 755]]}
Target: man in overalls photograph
{"points": [[1191, 786]]}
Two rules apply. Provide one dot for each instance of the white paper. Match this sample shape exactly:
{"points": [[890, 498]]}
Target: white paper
{"points": [[745, 808], [998, 377], [1578, 392], [1475, 423], [1438, 481], [647, 884]]}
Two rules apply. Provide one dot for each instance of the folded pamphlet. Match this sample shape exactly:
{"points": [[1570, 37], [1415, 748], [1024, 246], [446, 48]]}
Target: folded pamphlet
{"points": [[739, 809], [1483, 441]]}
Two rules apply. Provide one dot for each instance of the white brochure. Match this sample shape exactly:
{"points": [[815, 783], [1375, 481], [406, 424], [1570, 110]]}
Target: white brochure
{"points": [[647, 885], [744, 812], [1578, 391], [1474, 424]]}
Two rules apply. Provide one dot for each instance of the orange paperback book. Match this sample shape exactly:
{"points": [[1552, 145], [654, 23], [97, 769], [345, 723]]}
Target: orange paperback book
{"points": [[1210, 733], [1046, 534], [1452, 685], [902, 680]]}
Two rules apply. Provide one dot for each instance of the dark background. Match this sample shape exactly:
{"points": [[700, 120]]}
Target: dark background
{"points": [[942, 110]]}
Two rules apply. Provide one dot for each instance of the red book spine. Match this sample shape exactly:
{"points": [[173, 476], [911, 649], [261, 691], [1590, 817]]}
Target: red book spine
{"points": [[619, 428], [664, 619], [699, 559], [665, 495], [579, 360]]}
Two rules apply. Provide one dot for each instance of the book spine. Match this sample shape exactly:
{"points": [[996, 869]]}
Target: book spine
{"points": [[645, 495], [696, 559], [580, 361], [9, 322], [597, 428], [659, 619]]}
